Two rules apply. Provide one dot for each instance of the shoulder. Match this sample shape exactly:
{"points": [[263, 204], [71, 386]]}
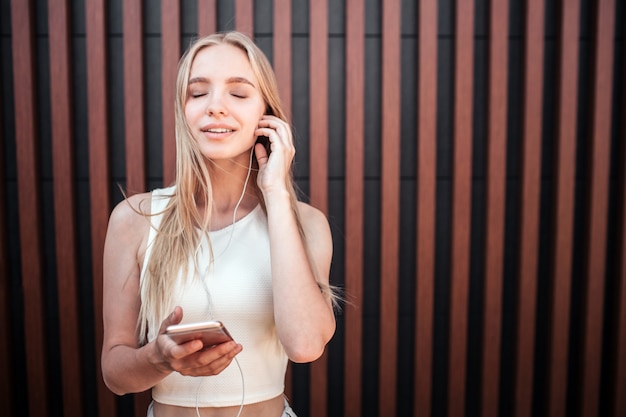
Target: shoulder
{"points": [[131, 209], [130, 219], [314, 223]]}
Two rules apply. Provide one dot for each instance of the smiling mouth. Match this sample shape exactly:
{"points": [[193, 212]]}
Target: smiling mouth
{"points": [[218, 130]]}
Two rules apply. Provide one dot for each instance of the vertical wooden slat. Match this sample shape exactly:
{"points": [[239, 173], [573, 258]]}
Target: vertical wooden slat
{"points": [[318, 139], [207, 17], [134, 129], [390, 206], [282, 50], [495, 206], [6, 353], [461, 204], [529, 210], [133, 96], [564, 208], [244, 16], [98, 130], [64, 205], [426, 205], [318, 92], [598, 208], [171, 51], [22, 44], [354, 114]]}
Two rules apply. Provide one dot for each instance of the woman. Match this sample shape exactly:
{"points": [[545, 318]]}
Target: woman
{"points": [[228, 242]]}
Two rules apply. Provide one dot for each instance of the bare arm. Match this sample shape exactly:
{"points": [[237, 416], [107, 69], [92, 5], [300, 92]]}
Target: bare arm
{"points": [[304, 316], [126, 366]]}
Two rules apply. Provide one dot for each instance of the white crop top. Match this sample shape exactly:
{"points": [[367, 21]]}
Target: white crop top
{"points": [[237, 290]]}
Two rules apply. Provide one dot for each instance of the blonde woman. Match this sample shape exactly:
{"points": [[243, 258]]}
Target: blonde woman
{"points": [[229, 242]]}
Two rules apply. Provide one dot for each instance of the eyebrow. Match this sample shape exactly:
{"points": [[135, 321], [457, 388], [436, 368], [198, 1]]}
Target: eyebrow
{"points": [[231, 80]]}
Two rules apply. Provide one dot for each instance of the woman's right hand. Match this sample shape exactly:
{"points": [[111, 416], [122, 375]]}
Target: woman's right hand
{"points": [[190, 359]]}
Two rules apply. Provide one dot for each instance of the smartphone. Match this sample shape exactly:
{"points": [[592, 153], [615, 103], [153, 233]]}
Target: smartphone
{"points": [[211, 333]]}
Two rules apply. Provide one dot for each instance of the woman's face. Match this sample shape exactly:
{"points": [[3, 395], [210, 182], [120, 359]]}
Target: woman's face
{"points": [[224, 104]]}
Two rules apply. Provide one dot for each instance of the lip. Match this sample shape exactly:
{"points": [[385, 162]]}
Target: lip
{"points": [[217, 129]]}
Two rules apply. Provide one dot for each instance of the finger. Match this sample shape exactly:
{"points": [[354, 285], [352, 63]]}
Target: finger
{"points": [[280, 126], [261, 154], [214, 360]]}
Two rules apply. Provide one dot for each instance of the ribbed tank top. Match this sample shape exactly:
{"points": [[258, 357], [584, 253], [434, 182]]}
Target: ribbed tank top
{"points": [[237, 290]]}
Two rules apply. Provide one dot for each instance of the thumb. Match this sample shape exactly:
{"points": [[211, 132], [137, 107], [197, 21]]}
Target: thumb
{"points": [[174, 318]]}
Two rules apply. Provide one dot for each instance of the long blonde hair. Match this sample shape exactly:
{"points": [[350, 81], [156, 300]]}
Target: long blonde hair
{"points": [[177, 238]]}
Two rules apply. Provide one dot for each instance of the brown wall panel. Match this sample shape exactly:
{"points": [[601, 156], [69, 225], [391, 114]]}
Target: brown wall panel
{"points": [[390, 206], [171, 52], [207, 17], [282, 51], [355, 84], [461, 205], [495, 210], [244, 16], [318, 92], [598, 207], [282, 68], [564, 213], [24, 67], [64, 206], [530, 205], [99, 199], [133, 97], [426, 207]]}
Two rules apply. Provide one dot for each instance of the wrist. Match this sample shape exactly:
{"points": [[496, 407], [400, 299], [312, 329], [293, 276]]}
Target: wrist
{"points": [[276, 196], [155, 359]]}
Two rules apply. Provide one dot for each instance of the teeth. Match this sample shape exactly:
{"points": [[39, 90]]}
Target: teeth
{"points": [[221, 130]]}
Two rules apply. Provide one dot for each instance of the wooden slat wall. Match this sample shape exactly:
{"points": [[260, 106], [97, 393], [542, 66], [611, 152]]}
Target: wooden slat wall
{"points": [[318, 92], [552, 196], [30, 223], [528, 255], [563, 215], [134, 96], [99, 198], [390, 207], [207, 17], [598, 208], [244, 16], [426, 206], [282, 50], [171, 52], [354, 148], [495, 210], [64, 205], [461, 204]]}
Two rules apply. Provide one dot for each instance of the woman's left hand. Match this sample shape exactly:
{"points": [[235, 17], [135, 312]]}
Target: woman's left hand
{"points": [[274, 168]]}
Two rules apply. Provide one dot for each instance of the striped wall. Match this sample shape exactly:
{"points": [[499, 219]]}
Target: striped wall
{"points": [[470, 156]]}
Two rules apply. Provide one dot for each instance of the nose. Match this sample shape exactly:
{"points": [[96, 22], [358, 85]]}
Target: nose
{"points": [[215, 105]]}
